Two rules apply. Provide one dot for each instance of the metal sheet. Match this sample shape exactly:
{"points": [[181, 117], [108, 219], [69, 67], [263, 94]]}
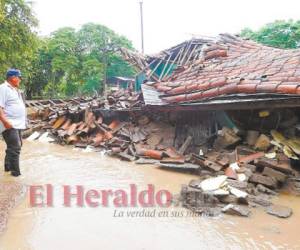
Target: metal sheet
{"points": [[151, 96]]}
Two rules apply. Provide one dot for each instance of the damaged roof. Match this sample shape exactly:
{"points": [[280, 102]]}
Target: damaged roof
{"points": [[232, 67], [160, 66]]}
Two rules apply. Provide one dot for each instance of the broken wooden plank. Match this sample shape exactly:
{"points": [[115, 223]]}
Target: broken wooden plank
{"points": [[173, 160], [284, 168], [186, 166], [185, 145], [264, 180], [207, 163], [279, 176]]}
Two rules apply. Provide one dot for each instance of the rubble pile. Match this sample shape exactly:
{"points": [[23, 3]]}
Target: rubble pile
{"points": [[107, 125], [246, 169], [123, 100], [239, 167], [129, 137], [43, 113], [115, 100]]}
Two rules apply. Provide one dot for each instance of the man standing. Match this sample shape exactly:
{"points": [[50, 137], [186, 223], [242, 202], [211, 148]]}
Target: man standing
{"points": [[13, 119]]}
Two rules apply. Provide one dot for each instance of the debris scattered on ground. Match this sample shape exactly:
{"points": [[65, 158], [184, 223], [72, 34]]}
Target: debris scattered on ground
{"points": [[236, 210], [279, 211], [239, 163], [255, 167]]}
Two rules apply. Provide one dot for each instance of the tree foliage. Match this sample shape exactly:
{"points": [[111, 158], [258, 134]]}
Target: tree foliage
{"points": [[18, 40], [17, 37], [78, 59], [280, 34], [38, 70], [66, 63]]}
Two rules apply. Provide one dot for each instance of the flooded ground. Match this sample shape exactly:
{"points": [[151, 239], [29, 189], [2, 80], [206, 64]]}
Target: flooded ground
{"points": [[77, 228]]}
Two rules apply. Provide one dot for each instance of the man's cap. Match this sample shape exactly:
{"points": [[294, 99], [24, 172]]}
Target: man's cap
{"points": [[13, 72]]}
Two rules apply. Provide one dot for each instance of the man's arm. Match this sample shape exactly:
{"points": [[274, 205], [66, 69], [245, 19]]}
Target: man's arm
{"points": [[4, 120]]}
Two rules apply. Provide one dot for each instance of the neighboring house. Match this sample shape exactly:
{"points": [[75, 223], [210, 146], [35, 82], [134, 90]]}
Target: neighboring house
{"points": [[118, 82]]}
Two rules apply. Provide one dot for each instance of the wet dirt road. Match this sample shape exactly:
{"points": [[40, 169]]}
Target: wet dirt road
{"points": [[88, 228]]}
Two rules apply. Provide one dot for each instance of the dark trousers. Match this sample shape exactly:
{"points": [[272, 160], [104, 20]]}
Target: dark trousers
{"points": [[13, 140]]}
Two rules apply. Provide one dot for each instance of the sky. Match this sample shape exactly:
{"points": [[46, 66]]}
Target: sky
{"points": [[166, 22]]}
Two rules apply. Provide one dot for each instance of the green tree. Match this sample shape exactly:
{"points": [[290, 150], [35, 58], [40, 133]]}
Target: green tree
{"points": [[100, 43], [80, 60], [66, 63], [39, 70], [17, 36], [280, 34], [62, 49]]}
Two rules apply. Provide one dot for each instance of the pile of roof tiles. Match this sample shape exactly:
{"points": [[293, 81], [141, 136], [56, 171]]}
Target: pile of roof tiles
{"points": [[115, 100], [124, 100], [238, 169], [75, 116], [237, 172], [243, 171], [131, 136]]}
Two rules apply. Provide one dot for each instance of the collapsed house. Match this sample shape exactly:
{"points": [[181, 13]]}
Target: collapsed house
{"points": [[160, 67], [224, 109]]}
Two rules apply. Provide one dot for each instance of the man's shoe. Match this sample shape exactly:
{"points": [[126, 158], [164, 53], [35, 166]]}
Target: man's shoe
{"points": [[15, 174], [6, 169]]}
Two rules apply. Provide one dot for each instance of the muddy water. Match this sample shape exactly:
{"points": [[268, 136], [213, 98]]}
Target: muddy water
{"points": [[97, 228]]}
